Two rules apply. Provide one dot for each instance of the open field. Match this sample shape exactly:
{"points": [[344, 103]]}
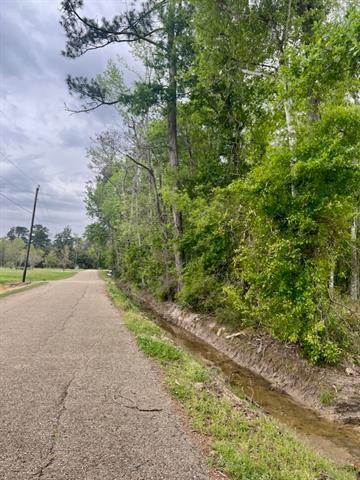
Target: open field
{"points": [[11, 275]]}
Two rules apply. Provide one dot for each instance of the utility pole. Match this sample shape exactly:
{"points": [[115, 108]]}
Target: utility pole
{"points": [[30, 235]]}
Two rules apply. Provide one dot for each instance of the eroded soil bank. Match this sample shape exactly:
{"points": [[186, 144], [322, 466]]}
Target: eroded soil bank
{"points": [[277, 368]]}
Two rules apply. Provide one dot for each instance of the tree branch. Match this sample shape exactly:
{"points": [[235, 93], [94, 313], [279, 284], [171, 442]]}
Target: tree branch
{"points": [[90, 109], [129, 30]]}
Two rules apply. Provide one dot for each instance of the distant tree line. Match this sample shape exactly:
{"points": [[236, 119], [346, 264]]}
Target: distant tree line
{"points": [[66, 250]]}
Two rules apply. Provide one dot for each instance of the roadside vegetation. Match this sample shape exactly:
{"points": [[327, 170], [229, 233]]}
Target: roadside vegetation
{"points": [[233, 186], [242, 442]]}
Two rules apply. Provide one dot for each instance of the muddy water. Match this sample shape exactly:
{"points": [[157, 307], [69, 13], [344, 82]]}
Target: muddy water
{"points": [[338, 442]]}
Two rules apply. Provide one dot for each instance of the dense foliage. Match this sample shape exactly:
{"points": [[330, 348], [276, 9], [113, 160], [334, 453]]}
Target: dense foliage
{"points": [[233, 186]]}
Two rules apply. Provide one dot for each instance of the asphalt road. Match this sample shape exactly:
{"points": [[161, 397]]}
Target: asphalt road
{"points": [[78, 400]]}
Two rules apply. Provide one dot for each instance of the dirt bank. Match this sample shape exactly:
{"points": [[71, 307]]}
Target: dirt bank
{"points": [[332, 392], [10, 287]]}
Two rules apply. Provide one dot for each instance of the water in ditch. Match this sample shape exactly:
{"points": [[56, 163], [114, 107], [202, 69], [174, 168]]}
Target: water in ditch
{"points": [[338, 442]]}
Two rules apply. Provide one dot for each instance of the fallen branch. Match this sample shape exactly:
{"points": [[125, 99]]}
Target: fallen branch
{"points": [[233, 335]]}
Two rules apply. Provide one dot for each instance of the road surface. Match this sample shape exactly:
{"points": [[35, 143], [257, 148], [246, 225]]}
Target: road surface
{"points": [[78, 400]]}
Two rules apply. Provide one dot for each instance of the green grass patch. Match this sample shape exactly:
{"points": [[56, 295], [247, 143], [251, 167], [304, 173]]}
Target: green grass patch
{"points": [[11, 275], [245, 444], [158, 349], [326, 397]]}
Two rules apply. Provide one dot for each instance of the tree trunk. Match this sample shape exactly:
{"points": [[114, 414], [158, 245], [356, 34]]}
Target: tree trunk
{"points": [[332, 281], [291, 137], [354, 281], [173, 137]]}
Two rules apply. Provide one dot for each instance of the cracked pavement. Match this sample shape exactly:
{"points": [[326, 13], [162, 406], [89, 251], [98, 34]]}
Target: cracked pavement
{"points": [[78, 400]]}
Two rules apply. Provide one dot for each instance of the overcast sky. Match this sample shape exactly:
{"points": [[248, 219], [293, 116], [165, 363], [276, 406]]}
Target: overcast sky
{"points": [[36, 133]]}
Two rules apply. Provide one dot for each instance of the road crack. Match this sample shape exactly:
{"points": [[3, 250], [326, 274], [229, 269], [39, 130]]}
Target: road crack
{"points": [[134, 406], [65, 321], [61, 405]]}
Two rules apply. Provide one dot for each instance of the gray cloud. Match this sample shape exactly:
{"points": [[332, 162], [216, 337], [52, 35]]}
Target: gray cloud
{"points": [[36, 132], [72, 137]]}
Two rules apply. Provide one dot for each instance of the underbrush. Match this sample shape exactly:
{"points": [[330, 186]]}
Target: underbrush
{"points": [[326, 328], [244, 443]]}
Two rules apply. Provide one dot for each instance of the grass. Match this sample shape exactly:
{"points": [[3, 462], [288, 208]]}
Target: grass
{"points": [[10, 275], [244, 443], [326, 397]]}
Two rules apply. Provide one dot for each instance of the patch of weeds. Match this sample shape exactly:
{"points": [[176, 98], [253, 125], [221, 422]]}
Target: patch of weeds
{"points": [[245, 444], [159, 349], [180, 391], [326, 398], [143, 327], [148, 334], [118, 297]]}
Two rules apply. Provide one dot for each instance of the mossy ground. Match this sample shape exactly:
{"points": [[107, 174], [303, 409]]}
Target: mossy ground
{"points": [[244, 444]]}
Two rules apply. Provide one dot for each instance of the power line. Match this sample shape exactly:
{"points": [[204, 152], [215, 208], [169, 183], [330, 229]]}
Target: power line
{"points": [[15, 203], [27, 176], [16, 187], [43, 213], [19, 190]]}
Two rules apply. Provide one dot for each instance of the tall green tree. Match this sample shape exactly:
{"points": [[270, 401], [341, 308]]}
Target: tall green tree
{"points": [[64, 238], [18, 232], [164, 27], [41, 237]]}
